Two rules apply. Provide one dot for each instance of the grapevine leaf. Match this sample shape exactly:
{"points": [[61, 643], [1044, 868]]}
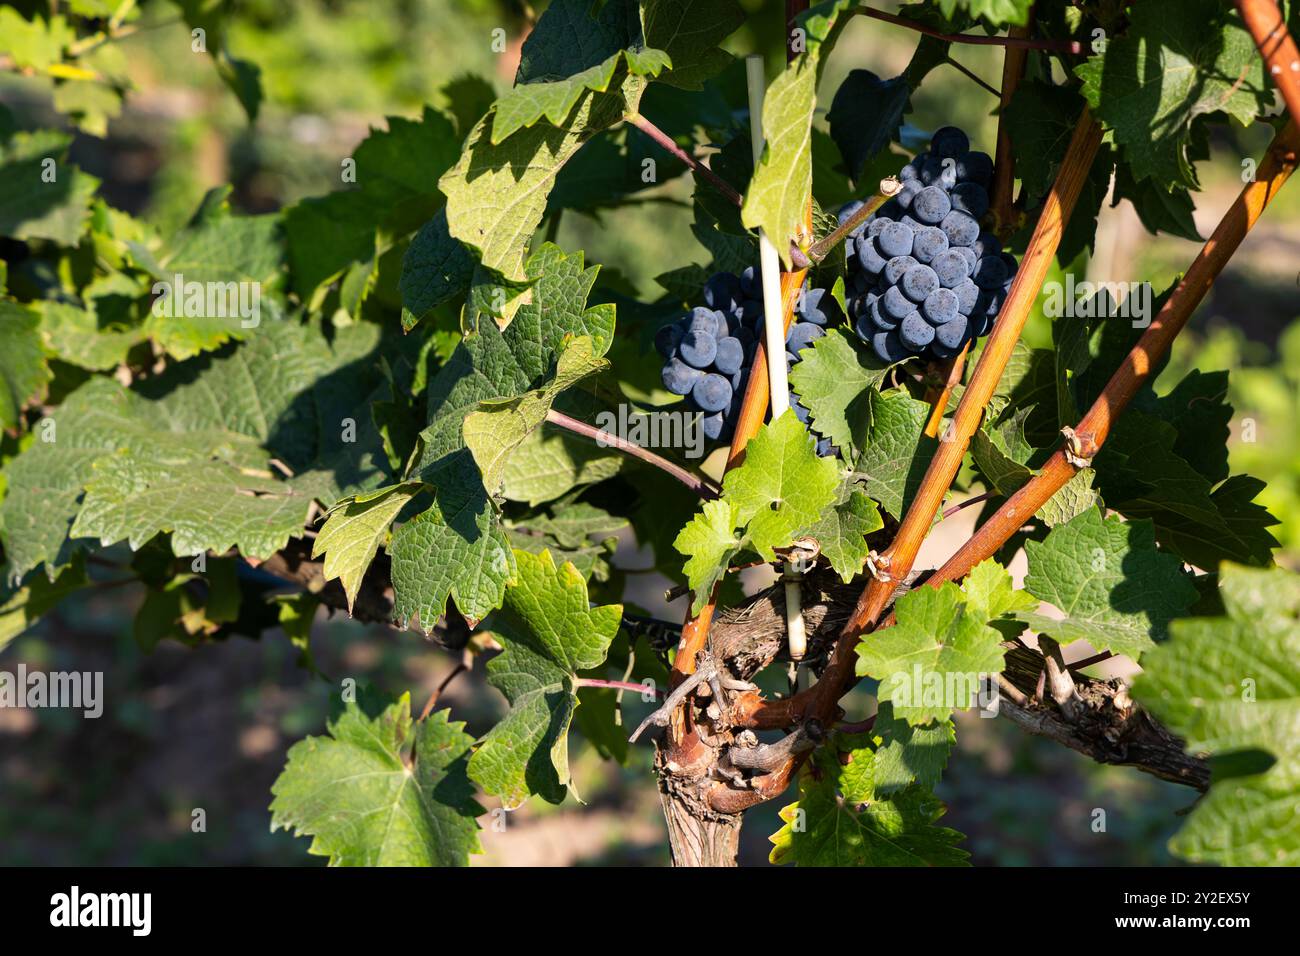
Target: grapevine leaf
{"points": [[834, 381], [549, 632], [828, 826], [709, 542], [23, 372], [436, 269], [906, 754], [778, 193], [866, 113], [1229, 685], [1117, 591], [353, 532], [1151, 83], [499, 427], [454, 549], [932, 661], [41, 195], [782, 486], [1161, 210], [22, 606], [895, 451], [579, 533], [551, 461], [1001, 451], [841, 532], [991, 594], [379, 792], [996, 12], [689, 32], [74, 335]]}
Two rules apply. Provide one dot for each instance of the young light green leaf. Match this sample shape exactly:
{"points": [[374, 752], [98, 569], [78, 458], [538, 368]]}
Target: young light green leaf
{"points": [[379, 792], [550, 632], [841, 531], [1231, 686], [782, 486], [709, 542], [932, 661], [23, 372], [1117, 591], [353, 532]]}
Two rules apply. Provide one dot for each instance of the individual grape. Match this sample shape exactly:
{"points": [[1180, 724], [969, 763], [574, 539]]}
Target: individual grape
{"points": [[802, 335], [940, 351], [712, 425], [1009, 261], [951, 335], [960, 228], [970, 198], [800, 412], [918, 282], [968, 294], [986, 245], [949, 141], [881, 319], [868, 257], [951, 267], [711, 392], [915, 332], [751, 311], [701, 320], [910, 172], [790, 358], [990, 272], [824, 448], [698, 349], [668, 337], [864, 326], [895, 304], [940, 307], [931, 205], [730, 356], [738, 380], [896, 268], [975, 167], [819, 306], [721, 290], [894, 240], [905, 195], [721, 325], [914, 224], [929, 242], [967, 253], [861, 281], [679, 378], [888, 347]]}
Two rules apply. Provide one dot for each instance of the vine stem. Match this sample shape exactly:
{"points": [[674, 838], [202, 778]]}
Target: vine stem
{"points": [[822, 248], [619, 685], [1092, 430], [1012, 41], [1002, 191], [701, 486], [1264, 21], [952, 369], [703, 171]]}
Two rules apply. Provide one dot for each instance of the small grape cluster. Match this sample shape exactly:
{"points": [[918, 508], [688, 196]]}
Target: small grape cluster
{"points": [[924, 279], [710, 351]]}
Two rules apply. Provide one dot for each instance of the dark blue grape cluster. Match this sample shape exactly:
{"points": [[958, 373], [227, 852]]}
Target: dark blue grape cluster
{"points": [[923, 278], [708, 353]]}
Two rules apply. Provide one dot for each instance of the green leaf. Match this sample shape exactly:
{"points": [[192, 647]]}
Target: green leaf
{"points": [[1151, 83], [689, 32], [435, 269], [22, 606], [41, 195], [778, 193], [865, 115], [1161, 210], [896, 451], [36, 44], [841, 531], [781, 486], [578, 532], [353, 532], [74, 335], [932, 661], [23, 372], [1116, 590], [834, 381], [496, 193], [709, 542], [1231, 686], [829, 827], [549, 633], [500, 426], [996, 12], [906, 754], [379, 792]]}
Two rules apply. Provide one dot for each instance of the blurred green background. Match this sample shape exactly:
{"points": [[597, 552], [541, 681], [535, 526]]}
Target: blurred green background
{"points": [[207, 728]]}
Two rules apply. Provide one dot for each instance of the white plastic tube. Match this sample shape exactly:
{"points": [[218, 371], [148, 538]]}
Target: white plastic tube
{"points": [[774, 343]]}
